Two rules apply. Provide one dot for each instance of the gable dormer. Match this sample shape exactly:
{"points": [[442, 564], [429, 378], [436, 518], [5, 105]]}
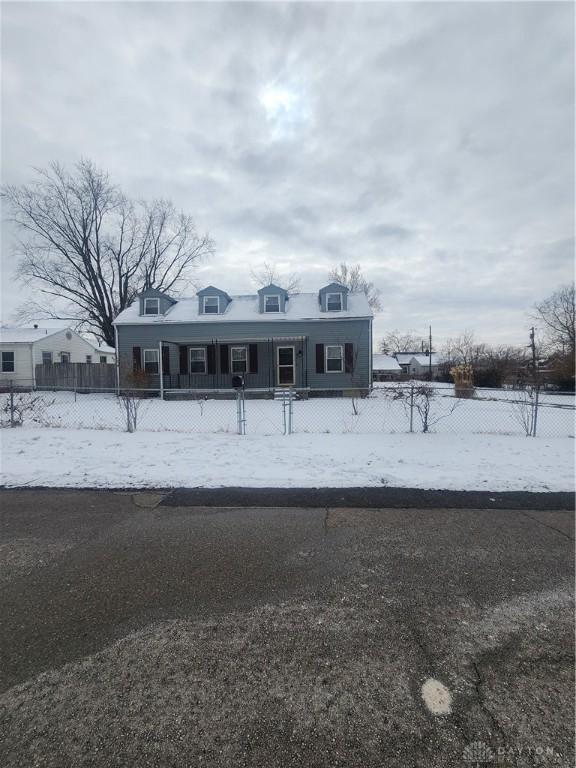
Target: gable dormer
{"points": [[333, 298], [153, 302], [272, 299], [212, 301]]}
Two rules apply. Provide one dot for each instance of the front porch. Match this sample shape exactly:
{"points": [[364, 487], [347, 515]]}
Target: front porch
{"points": [[217, 365]]}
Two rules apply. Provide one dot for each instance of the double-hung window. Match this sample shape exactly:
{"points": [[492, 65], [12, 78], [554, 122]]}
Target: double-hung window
{"points": [[8, 362], [334, 358], [198, 360], [272, 303], [150, 360], [239, 359], [211, 305], [46, 358], [64, 357], [334, 302], [103, 359], [151, 306]]}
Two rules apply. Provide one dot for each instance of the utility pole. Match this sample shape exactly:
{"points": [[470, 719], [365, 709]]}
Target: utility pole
{"points": [[430, 357]]}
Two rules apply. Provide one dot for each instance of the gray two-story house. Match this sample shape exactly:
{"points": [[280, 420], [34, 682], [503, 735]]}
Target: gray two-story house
{"points": [[318, 343]]}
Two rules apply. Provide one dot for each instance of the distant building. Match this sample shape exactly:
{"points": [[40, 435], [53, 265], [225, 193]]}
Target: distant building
{"points": [[385, 368], [418, 364]]}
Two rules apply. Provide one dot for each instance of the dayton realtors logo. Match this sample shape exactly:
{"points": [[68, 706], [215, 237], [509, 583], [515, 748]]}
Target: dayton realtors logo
{"points": [[477, 753]]}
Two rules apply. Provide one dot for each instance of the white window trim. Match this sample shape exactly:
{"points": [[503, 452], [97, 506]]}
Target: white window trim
{"points": [[245, 361], [339, 293], [157, 300], [47, 352], [65, 353], [204, 360], [157, 354], [272, 296], [293, 366], [204, 305], [341, 347], [13, 361], [103, 358]]}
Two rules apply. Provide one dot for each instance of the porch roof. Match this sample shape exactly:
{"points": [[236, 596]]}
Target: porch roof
{"points": [[251, 340]]}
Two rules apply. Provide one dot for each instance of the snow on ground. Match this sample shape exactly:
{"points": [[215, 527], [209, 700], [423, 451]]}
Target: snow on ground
{"points": [[105, 458]]}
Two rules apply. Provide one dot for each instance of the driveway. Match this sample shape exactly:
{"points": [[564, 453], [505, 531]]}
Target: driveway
{"points": [[144, 629]]}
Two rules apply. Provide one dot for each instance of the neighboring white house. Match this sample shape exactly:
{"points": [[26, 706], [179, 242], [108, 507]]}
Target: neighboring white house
{"points": [[418, 363], [21, 349], [104, 354], [385, 368]]}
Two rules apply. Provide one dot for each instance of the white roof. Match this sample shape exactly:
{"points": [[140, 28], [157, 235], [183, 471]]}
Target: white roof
{"points": [[385, 363], [26, 335], [105, 350], [242, 309], [419, 357]]}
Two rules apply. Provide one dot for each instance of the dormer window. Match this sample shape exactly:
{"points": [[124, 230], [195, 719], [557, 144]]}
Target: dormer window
{"points": [[272, 303], [152, 306], [334, 302], [211, 305]]}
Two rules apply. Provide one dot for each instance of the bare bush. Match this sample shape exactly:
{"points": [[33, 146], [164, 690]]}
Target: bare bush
{"points": [[524, 409], [422, 398], [23, 406]]}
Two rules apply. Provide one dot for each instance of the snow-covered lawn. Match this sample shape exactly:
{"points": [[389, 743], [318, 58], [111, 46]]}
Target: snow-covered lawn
{"points": [[106, 458]]}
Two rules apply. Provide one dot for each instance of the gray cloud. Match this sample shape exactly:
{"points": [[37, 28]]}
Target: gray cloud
{"points": [[432, 143]]}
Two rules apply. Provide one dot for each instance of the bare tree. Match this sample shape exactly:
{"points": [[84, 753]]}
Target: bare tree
{"points": [[397, 341], [354, 280], [268, 273], [89, 249], [463, 350], [558, 318]]}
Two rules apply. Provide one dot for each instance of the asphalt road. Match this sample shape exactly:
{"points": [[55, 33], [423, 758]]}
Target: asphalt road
{"points": [[138, 631]]}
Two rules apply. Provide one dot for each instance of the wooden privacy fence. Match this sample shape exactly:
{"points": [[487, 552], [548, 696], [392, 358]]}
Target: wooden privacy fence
{"points": [[81, 376]]}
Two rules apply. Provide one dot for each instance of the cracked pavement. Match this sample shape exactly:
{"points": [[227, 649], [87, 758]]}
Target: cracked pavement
{"points": [[138, 632]]}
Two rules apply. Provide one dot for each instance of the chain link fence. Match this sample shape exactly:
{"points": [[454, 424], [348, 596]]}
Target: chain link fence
{"points": [[388, 409]]}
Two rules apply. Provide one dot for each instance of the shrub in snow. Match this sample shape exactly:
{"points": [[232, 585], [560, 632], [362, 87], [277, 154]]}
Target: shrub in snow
{"points": [[463, 376], [19, 407], [524, 409]]}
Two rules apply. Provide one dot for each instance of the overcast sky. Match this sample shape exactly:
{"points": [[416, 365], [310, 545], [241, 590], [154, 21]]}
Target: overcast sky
{"points": [[432, 143]]}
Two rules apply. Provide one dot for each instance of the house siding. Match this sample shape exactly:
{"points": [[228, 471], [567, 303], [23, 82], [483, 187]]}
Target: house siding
{"points": [[332, 331], [22, 363]]}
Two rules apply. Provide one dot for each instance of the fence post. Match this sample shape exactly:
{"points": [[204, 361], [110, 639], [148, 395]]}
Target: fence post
{"points": [[241, 412], [11, 403], [290, 409], [412, 408], [535, 411]]}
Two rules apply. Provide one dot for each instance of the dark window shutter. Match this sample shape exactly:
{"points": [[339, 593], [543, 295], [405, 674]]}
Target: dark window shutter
{"points": [[224, 367], [253, 351], [136, 359], [319, 358], [184, 360], [165, 360], [349, 358], [211, 359]]}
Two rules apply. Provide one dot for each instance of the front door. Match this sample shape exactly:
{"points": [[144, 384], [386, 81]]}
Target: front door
{"points": [[285, 366]]}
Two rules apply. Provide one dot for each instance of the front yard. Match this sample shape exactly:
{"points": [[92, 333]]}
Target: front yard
{"points": [[110, 459]]}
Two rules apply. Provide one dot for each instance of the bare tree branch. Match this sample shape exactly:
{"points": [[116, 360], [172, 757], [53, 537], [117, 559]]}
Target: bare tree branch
{"points": [[354, 280]]}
